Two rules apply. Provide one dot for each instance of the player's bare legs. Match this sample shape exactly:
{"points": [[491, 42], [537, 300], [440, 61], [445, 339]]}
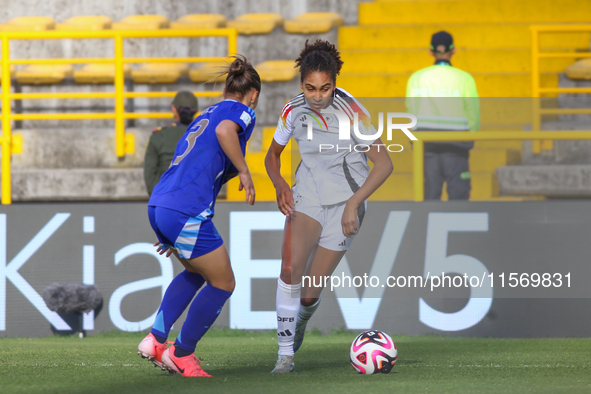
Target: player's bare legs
{"points": [[299, 242], [322, 263]]}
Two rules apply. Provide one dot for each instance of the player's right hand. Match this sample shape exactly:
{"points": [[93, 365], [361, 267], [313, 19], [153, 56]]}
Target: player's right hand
{"points": [[247, 185], [163, 249], [285, 199]]}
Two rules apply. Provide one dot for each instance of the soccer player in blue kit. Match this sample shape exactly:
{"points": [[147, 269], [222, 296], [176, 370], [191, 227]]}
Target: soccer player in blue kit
{"points": [[181, 209]]}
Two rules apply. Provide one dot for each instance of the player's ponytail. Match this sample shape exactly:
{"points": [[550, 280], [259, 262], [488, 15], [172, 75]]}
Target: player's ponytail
{"points": [[319, 56], [242, 77]]}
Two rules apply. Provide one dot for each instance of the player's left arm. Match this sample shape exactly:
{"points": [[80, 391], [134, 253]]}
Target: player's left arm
{"points": [[227, 134], [382, 168]]}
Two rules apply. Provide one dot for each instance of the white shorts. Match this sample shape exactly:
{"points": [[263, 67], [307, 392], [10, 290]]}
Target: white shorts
{"points": [[329, 217]]}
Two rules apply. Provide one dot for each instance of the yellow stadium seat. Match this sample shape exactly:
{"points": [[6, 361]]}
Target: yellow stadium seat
{"points": [[256, 23], [199, 21], [208, 73], [159, 73], [29, 23], [277, 70], [44, 74], [99, 73], [142, 22], [85, 22], [579, 70], [313, 22]]}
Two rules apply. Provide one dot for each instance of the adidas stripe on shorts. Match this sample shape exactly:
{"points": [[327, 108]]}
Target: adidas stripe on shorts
{"points": [[190, 236]]}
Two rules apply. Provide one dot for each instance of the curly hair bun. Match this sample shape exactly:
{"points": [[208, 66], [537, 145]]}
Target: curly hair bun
{"points": [[319, 56]]}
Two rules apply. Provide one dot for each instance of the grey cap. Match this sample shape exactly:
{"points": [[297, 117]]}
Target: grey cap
{"points": [[184, 98]]}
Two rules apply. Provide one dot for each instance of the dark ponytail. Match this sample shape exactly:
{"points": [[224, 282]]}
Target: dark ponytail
{"points": [[319, 56], [242, 77]]}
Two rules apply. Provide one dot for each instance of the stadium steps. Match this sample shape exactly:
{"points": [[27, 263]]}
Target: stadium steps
{"points": [[488, 84], [476, 11], [552, 181], [477, 60], [399, 186], [493, 42], [468, 35], [78, 184]]}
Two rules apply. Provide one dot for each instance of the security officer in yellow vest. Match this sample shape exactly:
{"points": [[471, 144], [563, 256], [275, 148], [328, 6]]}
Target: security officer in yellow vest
{"points": [[444, 98], [163, 141]]}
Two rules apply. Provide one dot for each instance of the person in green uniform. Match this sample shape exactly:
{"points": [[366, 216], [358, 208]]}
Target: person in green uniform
{"points": [[163, 141], [444, 98]]}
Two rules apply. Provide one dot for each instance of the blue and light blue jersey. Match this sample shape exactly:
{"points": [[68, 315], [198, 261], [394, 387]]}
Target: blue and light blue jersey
{"points": [[200, 167]]}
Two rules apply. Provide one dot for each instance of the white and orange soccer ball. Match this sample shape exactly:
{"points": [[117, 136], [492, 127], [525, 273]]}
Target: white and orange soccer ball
{"points": [[372, 352]]}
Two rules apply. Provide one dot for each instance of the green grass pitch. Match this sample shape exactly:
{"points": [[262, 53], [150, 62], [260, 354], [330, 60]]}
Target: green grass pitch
{"points": [[240, 362]]}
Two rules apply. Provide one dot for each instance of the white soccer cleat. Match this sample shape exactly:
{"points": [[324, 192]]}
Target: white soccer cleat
{"points": [[284, 364]]}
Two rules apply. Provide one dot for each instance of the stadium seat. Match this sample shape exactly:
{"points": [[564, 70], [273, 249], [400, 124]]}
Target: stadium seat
{"points": [[85, 22], [153, 73], [199, 21], [142, 22], [207, 72], [277, 70], [579, 70], [313, 22], [29, 23], [256, 23], [99, 73], [44, 74]]}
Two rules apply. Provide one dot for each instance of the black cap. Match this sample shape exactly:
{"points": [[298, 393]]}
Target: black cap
{"points": [[442, 38], [184, 98]]}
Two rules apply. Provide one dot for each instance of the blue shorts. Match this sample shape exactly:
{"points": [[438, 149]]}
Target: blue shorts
{"points": [[190, 236]]}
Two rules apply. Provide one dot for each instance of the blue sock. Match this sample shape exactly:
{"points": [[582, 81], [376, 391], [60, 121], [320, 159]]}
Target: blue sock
{"points": [[203, 311], [177, 297]]}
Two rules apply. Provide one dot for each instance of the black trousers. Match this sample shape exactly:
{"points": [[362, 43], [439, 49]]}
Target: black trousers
{"points": [[451, 168]]}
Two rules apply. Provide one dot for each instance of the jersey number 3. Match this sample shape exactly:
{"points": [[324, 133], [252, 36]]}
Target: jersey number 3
{"points": [[199, 129]]}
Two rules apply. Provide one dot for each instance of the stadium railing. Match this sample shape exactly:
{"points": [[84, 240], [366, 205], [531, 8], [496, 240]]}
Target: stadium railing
{"points": [[124, 142], [538, 90]]}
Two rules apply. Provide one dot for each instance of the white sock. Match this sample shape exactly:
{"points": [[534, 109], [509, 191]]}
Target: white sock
{"points": [[288, 306], [306, 312]]}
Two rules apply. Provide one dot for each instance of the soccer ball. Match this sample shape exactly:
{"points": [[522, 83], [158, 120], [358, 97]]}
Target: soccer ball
{"points": [[372, 352]]}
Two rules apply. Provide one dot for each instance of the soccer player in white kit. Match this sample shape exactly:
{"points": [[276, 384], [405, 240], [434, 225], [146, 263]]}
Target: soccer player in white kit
{"points": [[325, 207]]}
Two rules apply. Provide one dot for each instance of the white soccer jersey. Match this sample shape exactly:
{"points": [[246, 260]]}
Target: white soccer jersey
{"points": [[333, 166]]}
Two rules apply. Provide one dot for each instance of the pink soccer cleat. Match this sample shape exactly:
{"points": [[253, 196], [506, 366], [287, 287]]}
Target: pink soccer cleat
{"points": [[151, 349], [187, 366]]}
